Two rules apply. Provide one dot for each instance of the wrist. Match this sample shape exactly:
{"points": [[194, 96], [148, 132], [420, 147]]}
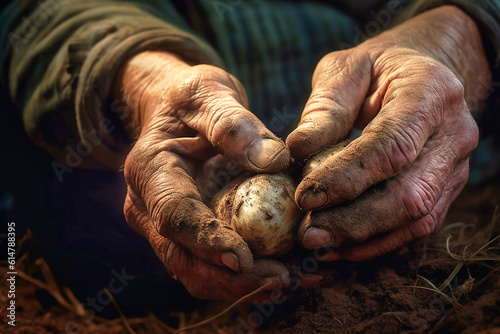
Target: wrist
{"points": [[141, 83], [450, 36]]}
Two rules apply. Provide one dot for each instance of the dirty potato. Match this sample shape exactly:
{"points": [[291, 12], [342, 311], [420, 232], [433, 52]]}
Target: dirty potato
{"points": [[261, 209]]}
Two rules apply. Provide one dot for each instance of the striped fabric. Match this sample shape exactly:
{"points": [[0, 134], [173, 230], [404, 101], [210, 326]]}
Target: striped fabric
{"points": [[273, 48]]}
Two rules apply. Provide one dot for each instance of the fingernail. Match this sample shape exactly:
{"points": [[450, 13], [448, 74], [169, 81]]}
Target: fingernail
{"points": [[230, 260], [263, 151], [316, 238], [313, 199], [307, 125], [274, 283]]}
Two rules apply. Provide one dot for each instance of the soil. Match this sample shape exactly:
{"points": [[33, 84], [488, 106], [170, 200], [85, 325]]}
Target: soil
{"points": [[391, 294]]}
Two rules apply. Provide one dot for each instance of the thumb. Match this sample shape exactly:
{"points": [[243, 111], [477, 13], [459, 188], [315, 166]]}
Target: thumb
{"points": [[220, 115], [339, 86]]}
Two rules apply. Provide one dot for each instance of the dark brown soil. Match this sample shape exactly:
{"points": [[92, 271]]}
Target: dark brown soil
{"points": [[391, 294]]}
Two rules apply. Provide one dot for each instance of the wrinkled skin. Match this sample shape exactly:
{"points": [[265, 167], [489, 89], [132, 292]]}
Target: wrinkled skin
{"points": [[184, 116], [411, 90]]}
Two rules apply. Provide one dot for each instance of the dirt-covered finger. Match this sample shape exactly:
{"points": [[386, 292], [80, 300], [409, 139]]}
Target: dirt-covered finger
{"points": [[207, 281], [174, 208], [390, 144], [412, 111], [340, 84], [368, 160], [408, 197], [415, 230], [212, 102]]}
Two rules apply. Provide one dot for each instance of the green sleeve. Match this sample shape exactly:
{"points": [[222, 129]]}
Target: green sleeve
{"points": [[486, 14], [59, 59]]}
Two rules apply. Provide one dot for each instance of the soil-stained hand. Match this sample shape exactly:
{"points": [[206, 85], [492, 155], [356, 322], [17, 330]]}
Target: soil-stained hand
{"points": [[185, 115], [411, 89]]}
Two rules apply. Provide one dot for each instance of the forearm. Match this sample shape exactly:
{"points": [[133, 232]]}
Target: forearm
{"points": [[65, 96], [486, 15], [452, 37]]}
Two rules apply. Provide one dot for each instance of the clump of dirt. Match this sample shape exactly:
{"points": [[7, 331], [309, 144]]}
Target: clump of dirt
{"points": [[448, 283]]}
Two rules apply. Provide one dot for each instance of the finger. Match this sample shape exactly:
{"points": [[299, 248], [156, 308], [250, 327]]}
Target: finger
{"points": [[207, 281], [400, 200], [214, 174], [415, 230], [340, 84], [309, 281], [212, 103], [163, 196], [389, 144]]}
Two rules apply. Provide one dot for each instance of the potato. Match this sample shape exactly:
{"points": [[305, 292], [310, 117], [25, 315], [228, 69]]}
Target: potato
{"points": [[323, 155], [261, 209]]}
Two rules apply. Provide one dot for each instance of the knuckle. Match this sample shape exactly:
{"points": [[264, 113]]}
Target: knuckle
{"points": [[394, 150], [424, 227], [197, 85], [132, 214], [330, 65], [354, 62], [184, 92], [400, 151], [420, 198], [141, 164], [455, 89], [449, 94], [134, 159], [166, 202], [135, 215], [169, 207], [232, 123], [465, 136], [163, 206]]}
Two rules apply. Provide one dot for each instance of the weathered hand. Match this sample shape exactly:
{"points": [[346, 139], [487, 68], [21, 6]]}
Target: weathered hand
{"points": [[411, 90], [185, 115]]}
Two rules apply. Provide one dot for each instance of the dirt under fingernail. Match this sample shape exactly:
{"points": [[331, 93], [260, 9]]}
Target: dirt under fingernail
{"points": [[313, 199]]}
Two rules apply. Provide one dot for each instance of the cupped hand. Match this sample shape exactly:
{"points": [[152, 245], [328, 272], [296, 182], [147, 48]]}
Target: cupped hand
{"points": [[411, 89], [184, 116]]}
